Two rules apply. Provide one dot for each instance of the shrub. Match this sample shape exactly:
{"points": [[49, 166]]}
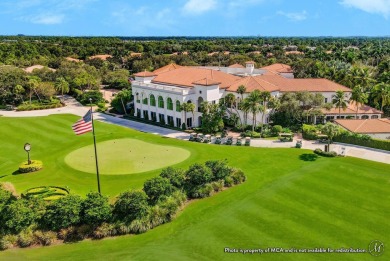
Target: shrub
{"points": [[84, 231], [238, 176], [95, 209], [219, 168], [102, 231], [26, 238], [157, 216], [203, 191], [157, 188], [218, 185], [45, 238], [96, 96], [8, 241], [18, 215], [34, 166], [131, 205], [175, 176], [183, 126], [139, 226], [252, 134], [228, 181], [63, 213], [121, 228], [324, 153], [197, 174], [39, 106], [309, 132], [276, 129], [362, 140]]}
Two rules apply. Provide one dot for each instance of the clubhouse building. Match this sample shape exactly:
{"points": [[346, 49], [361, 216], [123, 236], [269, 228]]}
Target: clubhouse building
{"points": [[158, 95]]}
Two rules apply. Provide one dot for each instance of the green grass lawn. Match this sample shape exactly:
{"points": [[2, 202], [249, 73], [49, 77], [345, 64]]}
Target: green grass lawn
{"points": [[124, 156], [290, 199]]}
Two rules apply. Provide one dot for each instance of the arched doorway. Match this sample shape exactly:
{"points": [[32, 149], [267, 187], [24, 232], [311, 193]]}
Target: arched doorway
{"points": [[200, 121], [200, 100]]}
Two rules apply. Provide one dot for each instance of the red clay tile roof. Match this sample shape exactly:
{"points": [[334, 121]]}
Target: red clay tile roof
{"points": [[186, 76], [366, 126], [206, 82], [38, 67], [101, 56], [351, 109], [236, 65], [73, 59], [278, 68], [136, 54], [253, 83], [145, 74], [167, 68]]}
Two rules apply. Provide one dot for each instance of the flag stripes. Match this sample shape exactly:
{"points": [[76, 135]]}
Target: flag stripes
{"points": [[84, 124]]}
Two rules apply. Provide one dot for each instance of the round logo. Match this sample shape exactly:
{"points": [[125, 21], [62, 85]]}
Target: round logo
{"points": [[376, 248]]}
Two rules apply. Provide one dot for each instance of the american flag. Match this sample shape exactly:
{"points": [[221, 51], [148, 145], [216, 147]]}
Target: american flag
{"points": [[84, 124]]}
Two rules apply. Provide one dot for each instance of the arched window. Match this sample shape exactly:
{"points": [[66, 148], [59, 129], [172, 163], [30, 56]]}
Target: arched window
{"points": [[169, 104], [365, 117], [374, 117], [178, 106], [137, 97], [160, 102], [152, 100], [145, 101]]}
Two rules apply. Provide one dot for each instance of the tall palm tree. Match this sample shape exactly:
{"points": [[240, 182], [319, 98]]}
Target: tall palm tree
{"points": [[230, 100], [254, 100], [241, 90], [381, 92], [245, 107], [188, 107], [61, 85], [359, 97], [265, 96], [331, 130], [339, 101]]}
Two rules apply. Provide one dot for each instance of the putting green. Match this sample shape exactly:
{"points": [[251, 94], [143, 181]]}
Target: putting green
{"points": [[125, 156]]}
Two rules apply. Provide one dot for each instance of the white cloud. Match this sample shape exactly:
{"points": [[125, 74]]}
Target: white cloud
{"points": [[371, 6], [295, 17], [197, 7], [47, 19]]}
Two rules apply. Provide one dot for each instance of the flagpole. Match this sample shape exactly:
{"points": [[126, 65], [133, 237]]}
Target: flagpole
{"points": [[94, 144]]}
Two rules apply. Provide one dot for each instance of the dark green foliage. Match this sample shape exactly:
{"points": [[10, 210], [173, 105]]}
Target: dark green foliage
{"points": [[131, 205], [362, 140], [20, 214], [157, 188], [276, 129], [219, 168], [309, 132], [203, 191], [176, 176], [197, 174], [95, 209], [26, 238], [45, 238], [238, 176], [96, 96], [121, 99], [63, 213]]}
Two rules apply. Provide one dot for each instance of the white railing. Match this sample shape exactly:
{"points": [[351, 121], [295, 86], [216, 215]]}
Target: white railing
{"points": [[159, 87]]}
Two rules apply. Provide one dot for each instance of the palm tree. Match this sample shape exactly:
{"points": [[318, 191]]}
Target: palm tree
{"points": [[245, 107], [241, 90], [381, 92], [61, 85], [254, 100], [33, 83], [330, 130], [188, 107], [359, 97], [230, 100], [339, 101], [265, 96]]}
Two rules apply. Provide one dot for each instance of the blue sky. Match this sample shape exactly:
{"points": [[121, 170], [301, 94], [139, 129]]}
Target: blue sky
{"points": [[195, 17]]}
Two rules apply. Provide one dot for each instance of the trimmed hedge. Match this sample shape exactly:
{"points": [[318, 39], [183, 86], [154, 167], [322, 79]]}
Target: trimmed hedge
{"points": [[309, 132], [34, 166], [363, 140], [324, 153]]}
